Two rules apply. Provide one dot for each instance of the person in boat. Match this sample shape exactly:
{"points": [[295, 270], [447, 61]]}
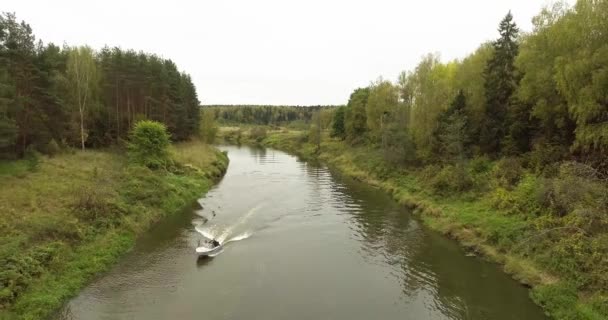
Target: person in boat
{"points": [[215, 243]]}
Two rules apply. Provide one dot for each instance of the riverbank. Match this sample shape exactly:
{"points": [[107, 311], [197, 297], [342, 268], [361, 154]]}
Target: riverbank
{"points": [[65, 219], [565, 268]]}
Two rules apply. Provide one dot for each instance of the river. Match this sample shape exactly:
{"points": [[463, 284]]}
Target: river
{"points": [[304, 243]]}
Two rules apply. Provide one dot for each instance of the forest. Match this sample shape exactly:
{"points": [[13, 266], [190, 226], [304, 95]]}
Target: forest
{"points": [[267, 115], [542, 94], [53, 97]]}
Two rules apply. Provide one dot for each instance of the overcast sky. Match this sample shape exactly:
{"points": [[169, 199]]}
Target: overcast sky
{"points": [[277, 51]]}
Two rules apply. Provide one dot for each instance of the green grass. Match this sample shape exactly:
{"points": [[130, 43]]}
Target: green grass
{"points": [[74, 215], [488, 220], [13, 168]]}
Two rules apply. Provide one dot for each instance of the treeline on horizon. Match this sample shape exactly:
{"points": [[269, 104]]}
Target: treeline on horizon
{"points": [[265, 114], [53, 97], [543, 94]]}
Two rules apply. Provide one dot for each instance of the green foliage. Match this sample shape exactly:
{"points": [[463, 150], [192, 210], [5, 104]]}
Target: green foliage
{"points": [[338, 129], [32, 158], [500, 84], [52, 148], [315, 130], [83, 81], [20, 269], [83, 97], [149, 143], [397, 145], [269, 115], [355, 116], [433, 83], [470, 79], [381, 105], [8, 135], [480, 165], [84, 211], [449, 179], [451, 134], [258, 134], [208, 128], [577, 187], [507, 172], [561, 298]]}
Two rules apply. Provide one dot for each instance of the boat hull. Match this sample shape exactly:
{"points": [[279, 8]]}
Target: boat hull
{"points": [[206, 252]]}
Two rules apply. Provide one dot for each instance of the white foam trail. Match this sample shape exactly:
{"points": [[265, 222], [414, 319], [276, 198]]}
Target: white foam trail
{"points": [[240, 222], [239, 237], [205, 233]]}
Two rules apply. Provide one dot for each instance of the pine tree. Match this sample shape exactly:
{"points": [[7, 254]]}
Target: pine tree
{"points": [[452, 136], [500, 83]]}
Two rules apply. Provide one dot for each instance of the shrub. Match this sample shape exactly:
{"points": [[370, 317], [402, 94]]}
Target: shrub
{"points": [[500, 198], [52, 148], [559, 297], [450, 179], [149, 144], [480, 164], [95, 204], [32, 158], [208, 129], [398, 146], [545, 154], [576, 187], [507, 172], [257, 133], [529, 194]]}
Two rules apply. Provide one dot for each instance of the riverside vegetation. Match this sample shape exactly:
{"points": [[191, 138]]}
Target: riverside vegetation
{"points": [[67, 214], [504, 150]]}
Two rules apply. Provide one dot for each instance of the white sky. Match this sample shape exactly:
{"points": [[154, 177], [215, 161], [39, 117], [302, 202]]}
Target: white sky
{"points": [[278, 51]]}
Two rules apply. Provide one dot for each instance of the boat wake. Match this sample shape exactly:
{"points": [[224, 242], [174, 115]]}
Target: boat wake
{"points": [[239, 237], [242, 220], [225, 236]]}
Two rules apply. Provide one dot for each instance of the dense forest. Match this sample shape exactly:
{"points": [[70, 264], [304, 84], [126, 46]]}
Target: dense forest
{"points": [[266, 115], [53, 97], [543, 94]]}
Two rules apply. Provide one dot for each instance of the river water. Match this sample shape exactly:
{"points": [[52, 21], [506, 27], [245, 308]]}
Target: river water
{"points": [[302, 243]]}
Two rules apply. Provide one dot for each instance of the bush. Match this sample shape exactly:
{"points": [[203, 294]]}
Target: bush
{"points": [[507, 172], [576, 186], [398, 146], [559, 297], [480, 165], [32, 158], [149, 144], [257, 133], [544, 154], [52, 148], [450, 179], [208, 129], [526, 198], [95, 205]]}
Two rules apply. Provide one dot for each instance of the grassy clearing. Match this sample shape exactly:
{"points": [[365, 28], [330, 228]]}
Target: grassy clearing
{"points": [[72, 216], [497, 216]]}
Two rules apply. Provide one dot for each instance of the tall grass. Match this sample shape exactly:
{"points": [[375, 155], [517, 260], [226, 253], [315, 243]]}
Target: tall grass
{"points": [[76, 214]]}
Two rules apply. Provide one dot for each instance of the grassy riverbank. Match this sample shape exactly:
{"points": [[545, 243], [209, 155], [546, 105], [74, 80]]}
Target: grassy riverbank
{"points": [[67, 218], [498, 215]]}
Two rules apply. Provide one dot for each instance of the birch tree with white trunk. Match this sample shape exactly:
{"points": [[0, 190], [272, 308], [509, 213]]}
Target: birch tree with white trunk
{"points": [[83, 80]]}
